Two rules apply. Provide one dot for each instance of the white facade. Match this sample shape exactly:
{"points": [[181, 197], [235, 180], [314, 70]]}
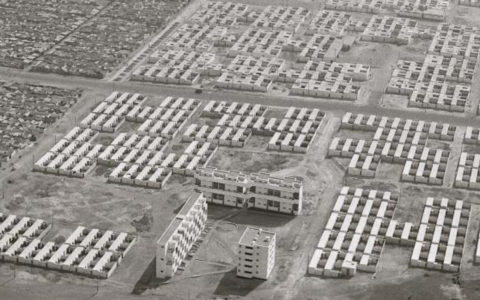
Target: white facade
{"points": [[261, 191], [179, 237], [256, 253], [283, 195], [222, 187], [477, 251]]}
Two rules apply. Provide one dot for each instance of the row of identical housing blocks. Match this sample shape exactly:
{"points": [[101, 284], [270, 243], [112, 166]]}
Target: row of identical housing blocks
{"points": [[245, 82], [246, 72], [186, 55], [201, 37], [259, 191], [467, 170], [320, 87], [180, 236], [438, 239], [318, 47], [154, 170], [222, 13], [439, 82], [140, 157], [293, 133], [442, 81], [260, 41], [191, 36], [334, 23], [322, 47], [361, 223], [174, 67], [137, 160], [441, 236], [434, 10], [75, 155], [263, 40], [474, 3], [318, 83], [460, 41], [231, 130], [281, 17], [365, 6], [139, 163], [267, 41], [354, 235], [110, 114], [316, 79], [256, 42], [196, 36], [174, 64], [326, 29], [90, 252], [469, 163], [477, 251], [472, 136], [388, 29], [395, 140]]}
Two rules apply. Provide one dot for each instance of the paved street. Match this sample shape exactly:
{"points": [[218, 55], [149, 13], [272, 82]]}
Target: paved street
{"points": [[334, 106]]}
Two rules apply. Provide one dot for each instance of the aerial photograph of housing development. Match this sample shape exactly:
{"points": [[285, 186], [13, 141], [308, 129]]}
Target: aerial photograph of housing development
{"points": [[241, 149]]}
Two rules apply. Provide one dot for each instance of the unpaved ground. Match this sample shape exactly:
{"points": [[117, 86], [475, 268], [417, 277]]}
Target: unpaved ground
{"points": [[69, 202], [210, 273], [91, 202]]}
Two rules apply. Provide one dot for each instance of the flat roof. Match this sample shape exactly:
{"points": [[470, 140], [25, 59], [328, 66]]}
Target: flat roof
{"points": [[175, 223], [256, 236]]}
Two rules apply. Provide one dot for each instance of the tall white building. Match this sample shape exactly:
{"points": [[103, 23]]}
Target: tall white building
{"points": [[179, 237], [260, 191], [256, 253]]}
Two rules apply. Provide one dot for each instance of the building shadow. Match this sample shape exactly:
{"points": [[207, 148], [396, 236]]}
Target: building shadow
{"points": [[260, 218], [231, 285], [148, 280], [179, 208], [216, 212]]}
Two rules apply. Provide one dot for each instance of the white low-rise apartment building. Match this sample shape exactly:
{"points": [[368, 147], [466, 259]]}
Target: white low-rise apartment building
{"points": [[222, 187], [179, 237], [260, 191], [282, 195], [256, 253]]}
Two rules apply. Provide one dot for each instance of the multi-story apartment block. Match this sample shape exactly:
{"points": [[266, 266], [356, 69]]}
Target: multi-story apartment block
{"points": [[261, 191], [256, 253], [222, 187], [275, 194], [179, 237]]}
